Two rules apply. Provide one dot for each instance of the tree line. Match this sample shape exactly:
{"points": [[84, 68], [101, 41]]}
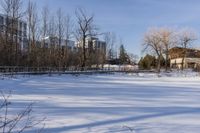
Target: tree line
{"points": [[59, 26]]}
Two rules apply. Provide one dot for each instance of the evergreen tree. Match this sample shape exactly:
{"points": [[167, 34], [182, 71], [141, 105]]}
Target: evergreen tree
{"points": [[148, 62], [123, 56]]}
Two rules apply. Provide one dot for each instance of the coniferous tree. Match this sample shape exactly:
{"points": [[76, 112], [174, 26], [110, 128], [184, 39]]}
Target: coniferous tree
{"points": [[123, 56], [148, 62]]}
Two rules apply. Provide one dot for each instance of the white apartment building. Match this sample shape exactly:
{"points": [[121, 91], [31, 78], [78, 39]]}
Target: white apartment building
{"points": [[20, 30], [93, 43], [54, 41]]}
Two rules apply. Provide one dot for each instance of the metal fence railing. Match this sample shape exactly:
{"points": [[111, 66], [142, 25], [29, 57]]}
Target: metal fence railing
{"points": [[63, 70]]}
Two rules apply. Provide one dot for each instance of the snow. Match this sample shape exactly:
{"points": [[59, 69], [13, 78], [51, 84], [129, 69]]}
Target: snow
{"points": [[113, 103], [120, 67]]}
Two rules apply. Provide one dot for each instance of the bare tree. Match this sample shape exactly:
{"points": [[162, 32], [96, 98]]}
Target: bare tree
{"points": [[68, 27], [85, 29], [60, 25], [168, 40], [6, 9], [60, 35], [52, 47], [186, 38], [110, 39], [45, 23], [42, 56], [152, 43], [68, 34], [13, 12], [16, 15], [32, 20], [133, 58], [18, 123]]}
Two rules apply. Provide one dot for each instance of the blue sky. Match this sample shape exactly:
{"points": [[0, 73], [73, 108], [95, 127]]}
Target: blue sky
{"points": [[129, 19]]}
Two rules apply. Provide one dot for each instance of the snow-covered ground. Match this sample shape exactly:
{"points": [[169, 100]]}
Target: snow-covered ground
{"points": [[143, 103]]}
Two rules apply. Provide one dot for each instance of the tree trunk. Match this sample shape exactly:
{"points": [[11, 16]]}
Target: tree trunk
{"points": [[182, 63], [159, 65], [84, 52], [166, 60], [184, 56]]}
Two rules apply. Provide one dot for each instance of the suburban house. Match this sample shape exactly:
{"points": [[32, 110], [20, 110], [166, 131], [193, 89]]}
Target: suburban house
{"points": [[191, 60]]}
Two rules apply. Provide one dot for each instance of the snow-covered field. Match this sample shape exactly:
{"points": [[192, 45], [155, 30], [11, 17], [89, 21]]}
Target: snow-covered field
{"points": [[118, 103]]}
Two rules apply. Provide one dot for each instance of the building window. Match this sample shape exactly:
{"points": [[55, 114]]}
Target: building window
{"points": [[1, 20], [20, 26], [25, 26], [2, 28], [20, 33], [24, 33]]}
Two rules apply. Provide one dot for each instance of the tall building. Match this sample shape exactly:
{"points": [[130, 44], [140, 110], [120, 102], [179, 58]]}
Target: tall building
{"points": [[18, 27], [93, 43], [49, 41]]}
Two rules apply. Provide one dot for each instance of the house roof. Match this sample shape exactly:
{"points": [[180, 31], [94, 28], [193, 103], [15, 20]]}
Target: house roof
{"points": [[178, 52]]}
